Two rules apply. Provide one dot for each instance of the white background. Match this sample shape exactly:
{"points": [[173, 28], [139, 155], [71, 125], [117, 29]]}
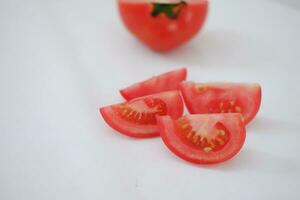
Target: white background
{"points": [[61, 60]]}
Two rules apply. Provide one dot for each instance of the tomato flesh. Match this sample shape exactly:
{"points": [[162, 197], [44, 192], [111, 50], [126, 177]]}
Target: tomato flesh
{"points": [[203, 138], [202, 98], [214, 141], [175, 23], [132, 112], [160, 83], [137, 118]]}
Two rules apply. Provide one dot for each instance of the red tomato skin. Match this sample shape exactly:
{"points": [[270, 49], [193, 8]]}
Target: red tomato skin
{"points": [[258, 102], [175, 110], [161, 33], [106, 114], [166, 125], [163, 82], [191, 99]]}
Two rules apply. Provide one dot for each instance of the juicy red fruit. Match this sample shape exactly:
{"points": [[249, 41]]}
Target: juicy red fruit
{"points": [[201, 98], [163, 25], [137, 118], [160, 83], [203, 138]]}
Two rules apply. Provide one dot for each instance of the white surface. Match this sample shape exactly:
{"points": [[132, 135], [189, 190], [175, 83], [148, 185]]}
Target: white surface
{"points": [[61, 60]]}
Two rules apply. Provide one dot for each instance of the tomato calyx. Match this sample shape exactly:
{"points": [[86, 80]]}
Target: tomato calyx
{"points": [[129, 111], [171, 10]]}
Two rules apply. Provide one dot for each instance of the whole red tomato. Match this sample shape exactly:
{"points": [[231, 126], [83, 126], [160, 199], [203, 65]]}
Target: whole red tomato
{"points": [[163, 24]]}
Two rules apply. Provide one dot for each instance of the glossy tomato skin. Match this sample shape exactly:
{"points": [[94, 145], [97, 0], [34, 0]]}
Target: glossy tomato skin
{"points": [[187, 152], [162, 33], [163, 82], [170, 101], [201, 98]]}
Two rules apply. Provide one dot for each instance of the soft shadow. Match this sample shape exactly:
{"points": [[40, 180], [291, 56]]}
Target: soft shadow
{"points": [[264, 124], [214, 48], [110, 133], [240, 161], [248, 160], [295, 4], [253, 160]]}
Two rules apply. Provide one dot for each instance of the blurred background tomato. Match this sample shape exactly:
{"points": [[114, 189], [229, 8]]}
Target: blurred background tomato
{"points": [[163, 25]]}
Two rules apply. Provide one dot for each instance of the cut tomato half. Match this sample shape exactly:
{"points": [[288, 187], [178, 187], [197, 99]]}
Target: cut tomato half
{"points": [[137, 118], [201, 98], [203, 138], [163, 82]]}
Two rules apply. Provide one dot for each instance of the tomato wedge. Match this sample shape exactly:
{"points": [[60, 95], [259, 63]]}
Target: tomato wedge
{"points": [[137, 118], [201, 98], [203, 138], [163, 82]]}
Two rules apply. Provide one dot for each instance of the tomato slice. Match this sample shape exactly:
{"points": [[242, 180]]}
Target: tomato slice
{"points": [[163, 82], [203, 138], [201, 98], [137, 118]]}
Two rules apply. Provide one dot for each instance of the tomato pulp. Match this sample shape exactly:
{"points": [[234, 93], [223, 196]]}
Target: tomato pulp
{"points": [[163, 25]]}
